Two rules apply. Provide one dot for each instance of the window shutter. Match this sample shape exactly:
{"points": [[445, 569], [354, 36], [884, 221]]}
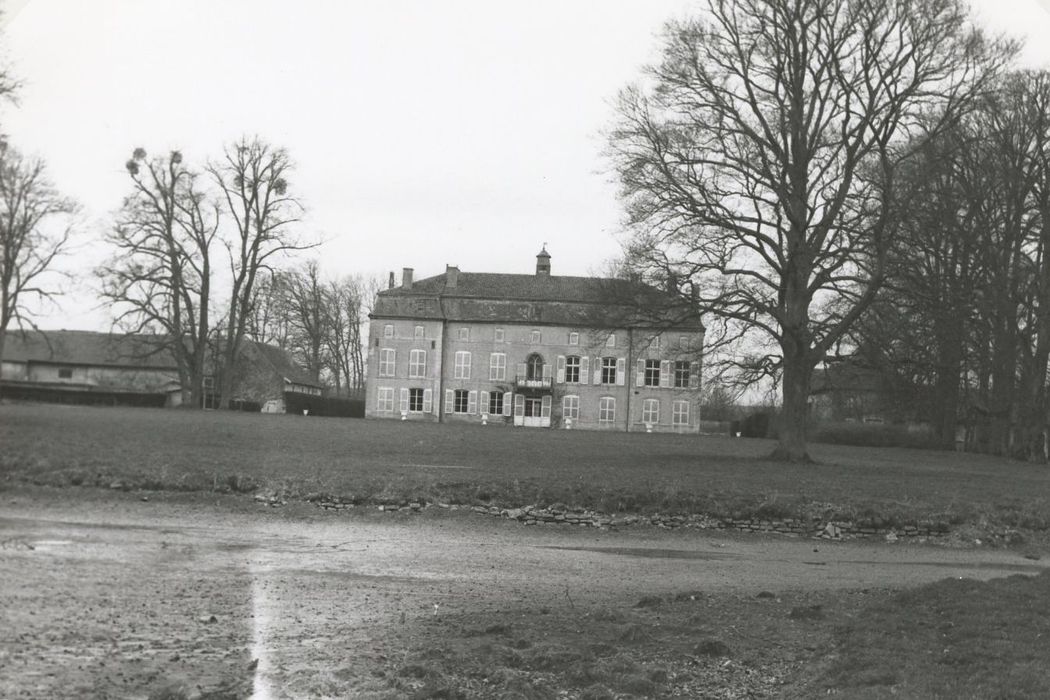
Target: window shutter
{"points": [[468, 366], [665, 374], [507, 399], [519, 404], [404, 400], [545, 406], [521, 370], [639, 376], [546, 371], [694, 375], [561, 369], [621, 370], [484, 396], [450, 397], [428, 400], [472, 402], [585, 369]]}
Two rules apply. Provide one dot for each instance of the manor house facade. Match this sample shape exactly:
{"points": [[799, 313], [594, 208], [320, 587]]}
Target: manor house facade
{"points": [[534, 351]]}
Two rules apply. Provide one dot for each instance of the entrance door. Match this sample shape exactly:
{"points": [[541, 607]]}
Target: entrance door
{"points": [[533, 410]]}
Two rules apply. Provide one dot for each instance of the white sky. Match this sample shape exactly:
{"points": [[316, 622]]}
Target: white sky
{"points": [[424, 132]]}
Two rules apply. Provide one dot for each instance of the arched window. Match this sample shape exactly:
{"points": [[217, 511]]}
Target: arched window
{"points": [[534, 367]]}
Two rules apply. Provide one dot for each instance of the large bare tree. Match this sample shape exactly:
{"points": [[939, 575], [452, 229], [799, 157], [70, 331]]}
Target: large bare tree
{"points": [[35, 226], [758, 160], [159, 276], [252, 177], [308, 316]]}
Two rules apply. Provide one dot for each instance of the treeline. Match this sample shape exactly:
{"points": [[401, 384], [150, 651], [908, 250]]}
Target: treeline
{"points": [[203, 258], [963, 317]]}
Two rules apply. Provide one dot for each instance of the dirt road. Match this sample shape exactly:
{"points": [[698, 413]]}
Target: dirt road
{"points": [[107, 595]]}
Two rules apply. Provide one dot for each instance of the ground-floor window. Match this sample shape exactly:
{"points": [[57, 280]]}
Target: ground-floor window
{"points": [[415, 400], [461, 401], [651, 411], [680, 413], [496, 403], [570, 407], [385, 399], [606, 409]]}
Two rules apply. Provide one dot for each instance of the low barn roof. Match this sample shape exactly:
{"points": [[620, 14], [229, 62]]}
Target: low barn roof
{"points": [[86, 348]]}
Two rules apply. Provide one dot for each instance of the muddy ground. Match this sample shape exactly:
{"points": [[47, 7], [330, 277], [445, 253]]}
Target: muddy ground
{"points": [[105, 594]]}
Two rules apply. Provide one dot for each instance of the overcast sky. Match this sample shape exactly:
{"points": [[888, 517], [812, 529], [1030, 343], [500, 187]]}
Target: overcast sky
{"points": [[424, 132]]}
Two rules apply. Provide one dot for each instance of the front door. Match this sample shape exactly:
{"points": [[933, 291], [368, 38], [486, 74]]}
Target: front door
{"points": [[533, 409]]}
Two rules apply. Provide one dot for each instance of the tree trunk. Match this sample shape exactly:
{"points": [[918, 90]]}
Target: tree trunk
{"points": [[794, 412], [949, 370]]}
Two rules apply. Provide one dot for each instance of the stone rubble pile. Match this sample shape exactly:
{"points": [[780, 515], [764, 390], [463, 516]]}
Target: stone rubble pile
{"points": [[534, 515]]}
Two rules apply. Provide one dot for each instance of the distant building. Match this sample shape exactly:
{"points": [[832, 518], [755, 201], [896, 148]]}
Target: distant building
{"points": [[129, 369], [534, 350]]}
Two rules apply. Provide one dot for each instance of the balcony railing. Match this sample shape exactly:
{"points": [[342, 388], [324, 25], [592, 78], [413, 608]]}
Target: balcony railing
{"points": [[526, 382]]}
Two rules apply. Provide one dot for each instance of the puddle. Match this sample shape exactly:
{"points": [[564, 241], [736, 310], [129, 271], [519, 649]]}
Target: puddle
{"points": [[651, 553], [436, 466], [260, 624], [980, 566]]}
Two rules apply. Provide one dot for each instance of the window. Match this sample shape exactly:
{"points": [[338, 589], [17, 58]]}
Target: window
{"points": [[652, 373], [574, 338], [462, 368], [534, 367], [417, 332], [464, 334], [497, 367], [461, 401], [680, 413], [651, 411], [606, 409], [655, 343], [386, 362], [65, 373], [385, 399], [388, 331], [415, 400], [570, 407], [496, 403], [498, 335], [608, 370], [683, 342], [572, 369], [535, 337], [417, 364], [610, 342], [681, 374]]}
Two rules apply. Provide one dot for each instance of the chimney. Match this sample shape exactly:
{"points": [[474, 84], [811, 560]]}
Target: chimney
{"points": [[406, 278], [451, 276], [390, 285], [672, 284], [543, 263]]}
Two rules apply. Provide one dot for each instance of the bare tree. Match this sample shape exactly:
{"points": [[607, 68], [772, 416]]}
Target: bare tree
{"points": [[159, 277], [252, 177], [308, 316], [348, 302], [759, 162], [269, 316], [35, 227]]}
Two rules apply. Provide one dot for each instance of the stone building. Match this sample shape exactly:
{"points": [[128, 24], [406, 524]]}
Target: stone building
{"points": [[136, 369], [534, 350]]}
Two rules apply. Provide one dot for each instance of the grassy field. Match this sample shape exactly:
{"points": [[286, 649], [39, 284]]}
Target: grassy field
{"points": [[949, 640], [391, 461]]}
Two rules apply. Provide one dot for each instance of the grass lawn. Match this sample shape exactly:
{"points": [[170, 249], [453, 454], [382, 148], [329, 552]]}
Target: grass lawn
{"points": [[389, 461], [949, 640]]}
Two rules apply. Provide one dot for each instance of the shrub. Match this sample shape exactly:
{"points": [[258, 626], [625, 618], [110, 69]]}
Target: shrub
{"points": [[873, 435]]}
